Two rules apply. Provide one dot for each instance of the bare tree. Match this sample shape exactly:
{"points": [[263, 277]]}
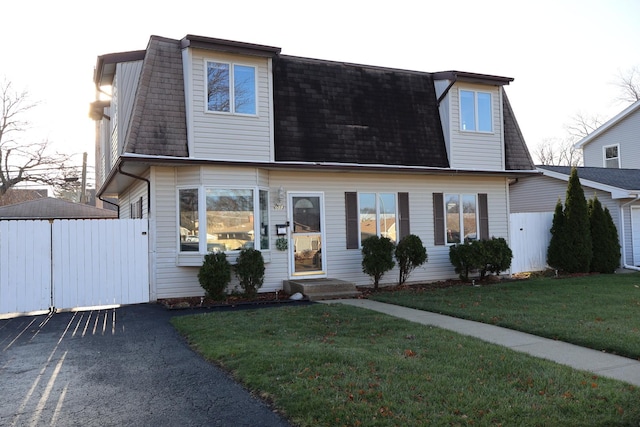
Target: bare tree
{"points": [[558, 152], [21, 161], [629, 84], [582, 125]]}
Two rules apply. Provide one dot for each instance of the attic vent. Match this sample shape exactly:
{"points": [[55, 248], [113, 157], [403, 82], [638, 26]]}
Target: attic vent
{"points": [[358, 126]]}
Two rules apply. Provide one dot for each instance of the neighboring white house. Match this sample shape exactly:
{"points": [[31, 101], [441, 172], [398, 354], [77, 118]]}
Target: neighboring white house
{"points": [[224, 145]]}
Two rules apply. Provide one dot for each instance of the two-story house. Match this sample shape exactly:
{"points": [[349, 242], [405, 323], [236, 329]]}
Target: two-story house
{"points": [[611, 172], [615, 144], [225, 145]]}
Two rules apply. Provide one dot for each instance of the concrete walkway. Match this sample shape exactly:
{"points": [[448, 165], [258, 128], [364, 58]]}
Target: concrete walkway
{"points": [[602, 364]]}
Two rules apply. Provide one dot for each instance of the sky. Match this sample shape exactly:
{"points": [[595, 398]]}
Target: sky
{"points": [[564, 55]]}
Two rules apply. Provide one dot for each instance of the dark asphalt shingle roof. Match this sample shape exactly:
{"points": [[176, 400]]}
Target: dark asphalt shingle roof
{"points": [[158, 122], [517, 155], [50, 208], [625, 179], [335, 112]]}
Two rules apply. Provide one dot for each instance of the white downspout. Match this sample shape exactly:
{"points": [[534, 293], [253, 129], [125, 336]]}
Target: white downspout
{"points": [[624, 243]]}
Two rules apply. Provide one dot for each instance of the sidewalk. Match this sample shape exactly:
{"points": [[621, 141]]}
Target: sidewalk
{"points": [[602, 364]]}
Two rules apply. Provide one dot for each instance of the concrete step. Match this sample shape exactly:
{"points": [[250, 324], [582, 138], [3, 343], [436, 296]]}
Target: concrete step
{"points": [[321, 289]]}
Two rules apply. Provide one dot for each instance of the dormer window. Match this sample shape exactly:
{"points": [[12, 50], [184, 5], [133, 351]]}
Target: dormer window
{"points": [[475, 111], [611, 156], [231, 88]]}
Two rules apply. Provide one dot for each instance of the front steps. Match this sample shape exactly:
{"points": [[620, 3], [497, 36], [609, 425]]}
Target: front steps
{"points": [[321, 289]]}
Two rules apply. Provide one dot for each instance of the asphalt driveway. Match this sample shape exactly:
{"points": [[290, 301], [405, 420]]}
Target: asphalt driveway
{"points": [[124, 366]]}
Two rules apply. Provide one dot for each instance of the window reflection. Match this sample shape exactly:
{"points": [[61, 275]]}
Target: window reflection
{"points": [[188, 220], [229, 220]]}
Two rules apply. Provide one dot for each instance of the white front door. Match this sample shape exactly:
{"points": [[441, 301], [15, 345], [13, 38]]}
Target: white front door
{"points": [[307, 235], [635, 235]]}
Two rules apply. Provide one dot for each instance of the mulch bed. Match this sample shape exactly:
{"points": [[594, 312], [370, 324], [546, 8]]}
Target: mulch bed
{"points": [[281, 297], [262, 299]]}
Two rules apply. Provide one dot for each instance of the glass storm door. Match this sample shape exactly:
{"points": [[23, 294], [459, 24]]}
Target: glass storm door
{"points": [[306, 235]]}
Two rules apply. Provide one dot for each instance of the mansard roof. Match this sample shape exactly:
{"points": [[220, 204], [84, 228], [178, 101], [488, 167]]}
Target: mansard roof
{"points": [[335, 112], [324, 111], [158, 121]]}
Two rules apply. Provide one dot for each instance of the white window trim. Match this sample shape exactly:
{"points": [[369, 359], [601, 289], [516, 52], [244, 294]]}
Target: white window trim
{"points": [[232, 103], [377, 194], [202, 216], [604, 154], [460, 216], [475, 111]]}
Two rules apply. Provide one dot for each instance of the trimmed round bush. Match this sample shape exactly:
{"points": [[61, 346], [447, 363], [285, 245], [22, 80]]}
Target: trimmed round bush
{"points": [[410, 253], [377, 257], [250, 270], [215, 274]]}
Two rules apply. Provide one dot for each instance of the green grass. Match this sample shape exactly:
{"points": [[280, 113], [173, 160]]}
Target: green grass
{"points": [[597, 311], [334, 365]]}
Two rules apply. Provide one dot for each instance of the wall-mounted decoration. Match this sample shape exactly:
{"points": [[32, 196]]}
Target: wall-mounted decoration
{"points": [[282, 243]]}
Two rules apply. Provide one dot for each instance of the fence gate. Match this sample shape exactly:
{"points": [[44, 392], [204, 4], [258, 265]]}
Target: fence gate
{"points": [[72, 263], [530, 236]]}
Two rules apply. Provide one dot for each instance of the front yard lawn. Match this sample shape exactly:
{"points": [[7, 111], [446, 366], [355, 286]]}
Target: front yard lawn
{"points": [[334, 365], [596, 311]]}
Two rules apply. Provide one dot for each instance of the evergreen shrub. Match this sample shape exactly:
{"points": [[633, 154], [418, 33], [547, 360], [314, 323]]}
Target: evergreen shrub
{"points": [[215, 274], [410, 253], [377, 257], [249, 269]]}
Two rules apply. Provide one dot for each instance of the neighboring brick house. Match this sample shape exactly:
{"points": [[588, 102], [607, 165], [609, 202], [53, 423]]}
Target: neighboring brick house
{"points": [[224, 145]]}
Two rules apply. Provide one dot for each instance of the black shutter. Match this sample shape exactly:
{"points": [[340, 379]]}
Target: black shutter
{"points": [[351, 214], [483, 215], [403, 211], [438, 218]]}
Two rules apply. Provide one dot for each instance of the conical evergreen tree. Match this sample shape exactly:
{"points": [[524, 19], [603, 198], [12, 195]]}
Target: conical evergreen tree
{"points": [[556, 249], [613, 244], [599, 236], [577, 228]]}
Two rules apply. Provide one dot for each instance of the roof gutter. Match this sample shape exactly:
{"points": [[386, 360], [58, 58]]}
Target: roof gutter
{"points": [[112, 204], [141, 179]]}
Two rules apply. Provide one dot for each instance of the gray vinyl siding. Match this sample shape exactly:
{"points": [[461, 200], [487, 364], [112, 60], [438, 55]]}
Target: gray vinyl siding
{"points": [[174, 278], [226, 136], [536, 194], [476, 150], [626, 134], [133, 194]]}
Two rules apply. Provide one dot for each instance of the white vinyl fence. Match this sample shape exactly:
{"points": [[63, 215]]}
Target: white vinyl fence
{"points": [[68, 264], [530, 236]]}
